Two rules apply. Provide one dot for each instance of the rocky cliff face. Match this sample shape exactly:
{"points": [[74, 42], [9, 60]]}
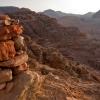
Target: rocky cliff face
{"points": [[51, 75], [87, 23], [73, 44], [59, 77], [12, 57]]}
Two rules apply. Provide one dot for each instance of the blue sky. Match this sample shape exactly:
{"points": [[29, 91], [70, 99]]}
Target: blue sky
{"points": [[68, 6]]}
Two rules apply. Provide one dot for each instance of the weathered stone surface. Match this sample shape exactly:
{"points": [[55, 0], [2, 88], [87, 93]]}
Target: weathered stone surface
{"points": [[8, 32], [5, 75], [17, 29], [19, 43], [21, 68], [16, 61], [22, 83], [7, 50]]}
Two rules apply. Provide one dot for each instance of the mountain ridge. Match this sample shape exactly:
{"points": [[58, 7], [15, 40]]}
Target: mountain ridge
{"points": [[8, 9], [87, 23], [58, 60], [69, 40]]}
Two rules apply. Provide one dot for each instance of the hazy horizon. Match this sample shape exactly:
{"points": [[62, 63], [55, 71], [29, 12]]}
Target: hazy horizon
{"points": [[67, 6]]}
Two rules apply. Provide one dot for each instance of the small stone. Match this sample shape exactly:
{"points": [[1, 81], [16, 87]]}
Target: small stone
{"points": [[19, 43], [21, 68], [5, 75], [2, 86], [57, 78], [19, 52]]}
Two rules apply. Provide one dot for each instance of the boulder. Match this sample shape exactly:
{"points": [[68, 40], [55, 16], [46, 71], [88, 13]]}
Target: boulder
{"points": [[19, 43], [6, 22], [7, 50], [21, 68], [5, 75], [8, 32], [16, 61], [19, 87]]}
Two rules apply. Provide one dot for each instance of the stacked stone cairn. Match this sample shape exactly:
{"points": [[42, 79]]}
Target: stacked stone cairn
{"points": [[13, 57]]}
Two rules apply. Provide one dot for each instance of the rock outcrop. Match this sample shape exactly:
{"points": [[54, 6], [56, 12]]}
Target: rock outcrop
{"points": [[16, 89], [13, 60], [59, 77]]}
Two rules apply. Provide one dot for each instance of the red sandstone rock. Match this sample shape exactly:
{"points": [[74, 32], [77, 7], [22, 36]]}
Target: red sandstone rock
{"points": [[7, 50], [22, 83], [16, 61], [23, 67], [17, 29], [5, 75], [8, 32]]}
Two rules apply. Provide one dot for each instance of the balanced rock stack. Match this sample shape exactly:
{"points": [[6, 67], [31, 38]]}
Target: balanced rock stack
{"points": [[13, 57]]}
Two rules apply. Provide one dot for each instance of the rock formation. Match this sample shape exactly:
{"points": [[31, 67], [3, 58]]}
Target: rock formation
{"points": [[68, 40], [13, 57], [52, 76]]}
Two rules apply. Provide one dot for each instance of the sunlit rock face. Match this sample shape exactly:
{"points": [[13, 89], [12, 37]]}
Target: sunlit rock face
{"points": [[13, 60]]}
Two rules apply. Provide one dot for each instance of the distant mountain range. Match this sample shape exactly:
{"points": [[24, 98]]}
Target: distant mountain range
{"points": [[58, 14], [12, 9], [88, 23], [8, 9], [50, 12]]}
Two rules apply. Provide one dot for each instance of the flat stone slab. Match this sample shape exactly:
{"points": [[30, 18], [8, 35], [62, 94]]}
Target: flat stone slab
{"points": [[18, 60]]}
